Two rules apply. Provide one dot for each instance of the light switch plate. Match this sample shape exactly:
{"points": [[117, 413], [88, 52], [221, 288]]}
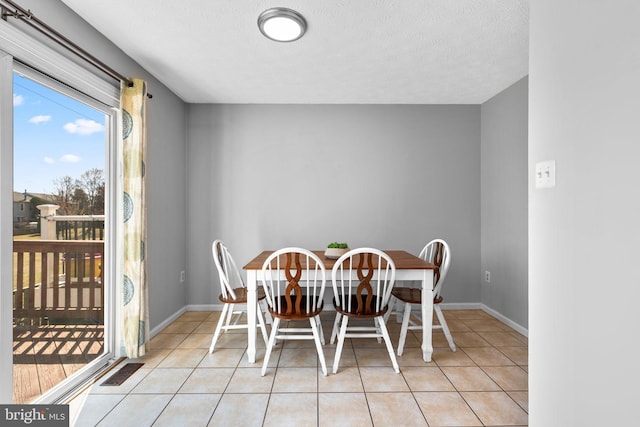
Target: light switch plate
{"points": [[546, 174]]}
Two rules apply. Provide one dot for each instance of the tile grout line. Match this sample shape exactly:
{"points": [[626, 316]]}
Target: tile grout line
{"points": [[364, 390], [358, 366], [485, 391], [181, 385]]}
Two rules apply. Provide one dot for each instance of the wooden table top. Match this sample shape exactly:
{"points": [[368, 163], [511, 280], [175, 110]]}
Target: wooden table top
{"points": [[402, 259]]}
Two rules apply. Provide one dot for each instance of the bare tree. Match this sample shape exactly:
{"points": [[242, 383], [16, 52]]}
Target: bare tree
{"points": [[83, 196], [64, 190], [81, 201], [92, 183]]}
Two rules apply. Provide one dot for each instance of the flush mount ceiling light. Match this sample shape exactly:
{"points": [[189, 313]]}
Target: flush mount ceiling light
{"points": [[281, 24]]}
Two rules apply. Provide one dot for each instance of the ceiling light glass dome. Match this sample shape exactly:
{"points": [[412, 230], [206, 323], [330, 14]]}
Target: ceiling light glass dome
{"points": [[281, 24]]}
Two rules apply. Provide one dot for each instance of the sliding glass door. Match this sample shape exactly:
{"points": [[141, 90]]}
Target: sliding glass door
{"points": [[61, 262]]}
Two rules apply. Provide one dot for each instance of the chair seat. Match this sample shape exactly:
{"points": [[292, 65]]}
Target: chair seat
{"points": [[241, 296], [412, 295], [364, 312], [296, 313]]}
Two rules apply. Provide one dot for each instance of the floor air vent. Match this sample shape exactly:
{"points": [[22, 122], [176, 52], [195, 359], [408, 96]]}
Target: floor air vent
{"points": [[123, 373]]}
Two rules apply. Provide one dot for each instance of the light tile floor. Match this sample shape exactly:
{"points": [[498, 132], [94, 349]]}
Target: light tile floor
{"points": [[484, 383]]}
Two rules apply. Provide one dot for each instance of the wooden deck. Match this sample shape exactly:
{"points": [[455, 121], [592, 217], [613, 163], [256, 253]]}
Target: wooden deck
{"points": [[45, 355], [65, 282]]}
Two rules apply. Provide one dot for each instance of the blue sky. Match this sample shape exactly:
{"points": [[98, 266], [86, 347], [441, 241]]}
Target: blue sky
{"points": [[54, 136]]}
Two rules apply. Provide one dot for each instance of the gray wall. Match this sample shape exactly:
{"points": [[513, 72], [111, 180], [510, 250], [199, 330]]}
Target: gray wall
{"points": [[389, 176], [504, 202], [239, 158], [166, 198], [583, 249]]}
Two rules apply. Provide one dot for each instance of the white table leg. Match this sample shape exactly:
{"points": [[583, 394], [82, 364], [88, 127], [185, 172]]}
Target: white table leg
{"points": [[252, 305], [427, 315]]}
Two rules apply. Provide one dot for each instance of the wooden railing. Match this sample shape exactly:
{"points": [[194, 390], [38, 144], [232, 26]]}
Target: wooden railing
{"points": [[84, 229], [58, 279]]}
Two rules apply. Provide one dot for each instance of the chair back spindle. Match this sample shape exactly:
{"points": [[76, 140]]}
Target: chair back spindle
{"points": [[288, 293], [369, 295], [228, 271], [437, 252]]}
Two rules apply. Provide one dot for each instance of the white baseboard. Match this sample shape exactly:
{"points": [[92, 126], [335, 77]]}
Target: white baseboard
{"points": [[461, 306], [155, 331], [479, 306], [204, 307], [444, 306], [524, 331]]}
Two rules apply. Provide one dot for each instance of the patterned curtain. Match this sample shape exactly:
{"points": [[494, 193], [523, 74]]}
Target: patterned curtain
{"points": [[135, 297]]}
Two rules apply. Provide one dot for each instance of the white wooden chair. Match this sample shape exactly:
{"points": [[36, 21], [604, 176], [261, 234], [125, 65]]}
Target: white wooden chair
{"points": [[294, 280], [234, 295], [364, 297], [435, 252]]}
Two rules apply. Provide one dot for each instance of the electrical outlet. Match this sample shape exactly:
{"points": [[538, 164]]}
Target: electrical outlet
{"points": [[487, 276], [182, 276]]}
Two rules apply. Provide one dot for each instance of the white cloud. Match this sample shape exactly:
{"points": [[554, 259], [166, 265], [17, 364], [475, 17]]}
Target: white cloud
{"points": [[39, 119], [70, 158], [18, 100], [48, 160], [84, 127]]}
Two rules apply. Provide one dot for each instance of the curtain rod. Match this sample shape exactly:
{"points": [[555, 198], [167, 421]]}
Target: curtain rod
{"points": [[28, 18]]}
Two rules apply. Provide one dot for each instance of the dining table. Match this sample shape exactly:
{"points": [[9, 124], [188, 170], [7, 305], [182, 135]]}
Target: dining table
{"points": [[408, 267]]}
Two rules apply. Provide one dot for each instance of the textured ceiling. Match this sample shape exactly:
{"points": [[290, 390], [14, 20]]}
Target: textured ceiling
{"points": [[354, 51]]}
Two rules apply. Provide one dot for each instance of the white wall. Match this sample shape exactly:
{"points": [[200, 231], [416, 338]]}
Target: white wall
{"points": [[584, 113], [166, 153], [391, 176], [504, 201]]}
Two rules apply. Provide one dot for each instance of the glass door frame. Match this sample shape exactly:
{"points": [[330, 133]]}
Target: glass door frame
{"points": [[6, 227], [113, 187]]}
